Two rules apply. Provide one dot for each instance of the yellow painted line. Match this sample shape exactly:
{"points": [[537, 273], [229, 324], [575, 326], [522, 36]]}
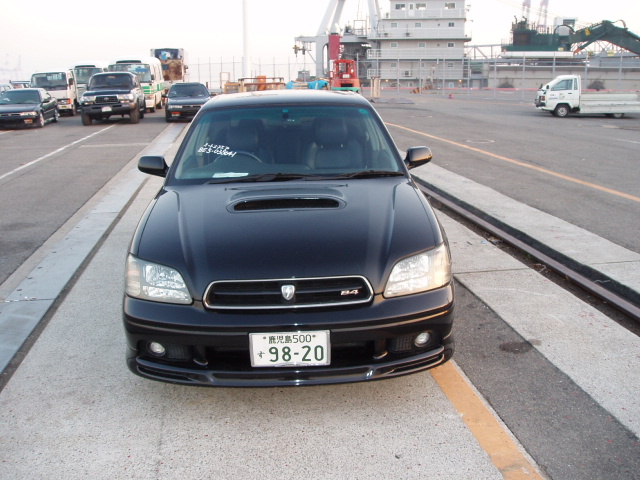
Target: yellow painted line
{"points": [[490, 434], [526, 165]]}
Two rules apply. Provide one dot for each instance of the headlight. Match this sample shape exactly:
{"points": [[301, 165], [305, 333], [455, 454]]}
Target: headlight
{"points": [[420, 273], [27, 114], [88, 99], [125, 96], [175, 107], [158, 283]]}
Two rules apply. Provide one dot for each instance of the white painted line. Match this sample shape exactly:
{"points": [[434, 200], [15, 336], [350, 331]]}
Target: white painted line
{"points": [[33, 162]]}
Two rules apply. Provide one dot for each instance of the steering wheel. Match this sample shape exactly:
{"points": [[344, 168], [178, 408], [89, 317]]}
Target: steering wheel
{"points": [[242, 153]]}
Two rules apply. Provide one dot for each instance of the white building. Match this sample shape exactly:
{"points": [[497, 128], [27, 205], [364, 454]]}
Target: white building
{"points": [[415, 44], [420, 44]]}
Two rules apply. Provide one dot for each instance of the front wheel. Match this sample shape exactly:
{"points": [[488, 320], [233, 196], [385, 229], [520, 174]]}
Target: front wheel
{"points": [[86, 120], [134, 116], [56, 115], [39, 123], [561, 111]]}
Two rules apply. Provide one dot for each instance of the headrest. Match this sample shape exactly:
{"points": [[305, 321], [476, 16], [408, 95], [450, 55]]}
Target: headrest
{"points": [[330, 131], [240, 138]]}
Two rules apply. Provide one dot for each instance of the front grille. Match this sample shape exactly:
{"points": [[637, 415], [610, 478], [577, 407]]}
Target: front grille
{"points": [[305, 293], [107, 99]]}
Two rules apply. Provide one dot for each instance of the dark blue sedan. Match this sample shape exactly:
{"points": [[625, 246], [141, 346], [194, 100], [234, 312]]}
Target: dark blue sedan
{"points": [[30, 107]]}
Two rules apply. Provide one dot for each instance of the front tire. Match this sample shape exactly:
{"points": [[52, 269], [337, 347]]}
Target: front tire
{"points": [[86, 120], [561, 111], [134, 116], [39, 123], [56, 116]]}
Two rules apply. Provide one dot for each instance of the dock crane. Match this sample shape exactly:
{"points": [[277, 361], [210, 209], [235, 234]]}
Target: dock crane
{"points": [[608, 32]]}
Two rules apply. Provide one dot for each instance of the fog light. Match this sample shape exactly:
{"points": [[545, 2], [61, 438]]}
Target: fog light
{"points": [[422, 339], [156, 349]]}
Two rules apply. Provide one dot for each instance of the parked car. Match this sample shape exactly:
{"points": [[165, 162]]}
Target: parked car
{"points": [[20, 83], [32, 107], [112, 93], [184, 100], [288, 245]]}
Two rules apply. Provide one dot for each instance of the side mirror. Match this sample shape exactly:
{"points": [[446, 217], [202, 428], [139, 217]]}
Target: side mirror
{"points": [[153, 165], [417, 156]]}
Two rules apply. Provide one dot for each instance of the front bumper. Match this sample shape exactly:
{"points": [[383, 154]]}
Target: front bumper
{"points": [[103, 110], [15, 120], [183, 113], [371, 342]]}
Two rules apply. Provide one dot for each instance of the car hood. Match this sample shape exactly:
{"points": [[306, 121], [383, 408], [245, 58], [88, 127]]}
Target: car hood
{"points": [[187, 101], [107, 91], [19, 107], [274, 231]]}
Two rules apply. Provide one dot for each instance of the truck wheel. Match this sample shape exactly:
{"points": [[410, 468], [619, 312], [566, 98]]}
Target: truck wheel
{"points": [[73, 112], [561, 111], [134, 116], [86, 120], [142, 112]]}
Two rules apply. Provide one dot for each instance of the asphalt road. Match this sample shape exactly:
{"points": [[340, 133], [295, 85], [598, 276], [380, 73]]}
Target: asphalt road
{"points": [[48, 174], [557, 378], [581, 169]]}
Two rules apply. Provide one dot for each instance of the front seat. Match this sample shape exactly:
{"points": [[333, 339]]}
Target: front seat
{"points": [[332, 147]]}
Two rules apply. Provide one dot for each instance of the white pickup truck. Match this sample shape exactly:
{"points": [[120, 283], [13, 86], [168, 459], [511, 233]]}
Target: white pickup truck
{"points": [[563, 95]]}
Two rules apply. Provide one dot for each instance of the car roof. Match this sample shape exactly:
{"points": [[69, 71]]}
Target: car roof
{"points": [[286, 97], [30, 89], [188, 84], [102, 74]]}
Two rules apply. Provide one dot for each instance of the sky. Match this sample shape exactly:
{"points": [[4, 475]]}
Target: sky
{"points": [[37, 37]]}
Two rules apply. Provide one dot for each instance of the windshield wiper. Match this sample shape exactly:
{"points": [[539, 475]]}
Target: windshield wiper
{"points": [[263, 177], [360, 174]]}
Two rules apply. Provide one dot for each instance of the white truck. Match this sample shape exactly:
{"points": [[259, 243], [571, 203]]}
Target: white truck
{"points": [[62, 86], [563, 95]]}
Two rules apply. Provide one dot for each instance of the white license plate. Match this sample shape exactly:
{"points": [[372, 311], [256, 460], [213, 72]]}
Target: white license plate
{"points": [[106, 109], [290, 349]]}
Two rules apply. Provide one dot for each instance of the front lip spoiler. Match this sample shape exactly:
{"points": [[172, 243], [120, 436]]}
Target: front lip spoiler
{"points": [[290, 377]]}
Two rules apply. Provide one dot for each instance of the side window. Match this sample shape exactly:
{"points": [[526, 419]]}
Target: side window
{"points": [[563, 85]]}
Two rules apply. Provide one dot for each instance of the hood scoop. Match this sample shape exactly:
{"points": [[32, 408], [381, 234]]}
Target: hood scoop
{"points": [[287, 203]]}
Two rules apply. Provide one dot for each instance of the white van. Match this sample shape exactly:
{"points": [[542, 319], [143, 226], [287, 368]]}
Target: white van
{"points": [[83, 72], [60, 85], [149, 71]]}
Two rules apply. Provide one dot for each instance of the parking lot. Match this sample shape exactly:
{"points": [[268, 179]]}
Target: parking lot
{"points": [[542, 385]]}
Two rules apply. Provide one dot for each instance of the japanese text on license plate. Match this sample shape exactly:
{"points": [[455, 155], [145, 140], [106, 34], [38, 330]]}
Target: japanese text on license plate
{"points": [[290, 349]]}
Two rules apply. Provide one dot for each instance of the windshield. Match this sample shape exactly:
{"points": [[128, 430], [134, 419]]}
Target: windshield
{"points": [[112, 80], [18, 96], [83, 74], [142, 70], [285, 142], [50, 81], [188, 91]]}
